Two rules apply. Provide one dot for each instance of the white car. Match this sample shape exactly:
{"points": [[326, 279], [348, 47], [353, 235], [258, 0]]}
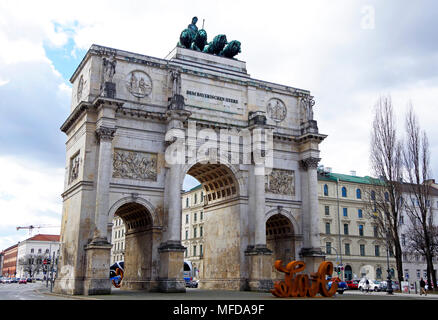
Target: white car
{"points": [[372, 286]]}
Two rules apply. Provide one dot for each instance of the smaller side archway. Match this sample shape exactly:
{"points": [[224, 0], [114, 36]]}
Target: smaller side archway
{"points": [[280, 239]]}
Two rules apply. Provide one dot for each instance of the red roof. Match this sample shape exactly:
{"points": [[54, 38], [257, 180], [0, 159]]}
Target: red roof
{"points": [[45, 237]]}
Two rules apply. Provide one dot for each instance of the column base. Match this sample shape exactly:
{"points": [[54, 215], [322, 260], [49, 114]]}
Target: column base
{"points": [[171, 277], [260, 267], [97, 257], [312, 257]]}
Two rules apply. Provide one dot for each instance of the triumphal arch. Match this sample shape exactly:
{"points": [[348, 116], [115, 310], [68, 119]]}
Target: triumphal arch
{"points": [[139, 124]]}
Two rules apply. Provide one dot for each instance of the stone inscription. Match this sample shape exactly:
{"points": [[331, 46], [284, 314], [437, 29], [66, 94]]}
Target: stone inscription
{"points": [[281, 181], [134, 165], [210, 96]]}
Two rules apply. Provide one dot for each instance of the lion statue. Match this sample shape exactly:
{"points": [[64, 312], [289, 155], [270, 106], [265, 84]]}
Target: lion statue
{"points": [[200, 40], [217, 45], [186, 38], [232, 49]]}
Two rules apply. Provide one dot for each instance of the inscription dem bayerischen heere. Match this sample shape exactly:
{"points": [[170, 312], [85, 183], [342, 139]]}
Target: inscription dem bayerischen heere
{"points": [[210, 96]]}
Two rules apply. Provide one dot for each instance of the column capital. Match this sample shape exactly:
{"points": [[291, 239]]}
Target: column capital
{"points": [[310, 163], [105, 133]]}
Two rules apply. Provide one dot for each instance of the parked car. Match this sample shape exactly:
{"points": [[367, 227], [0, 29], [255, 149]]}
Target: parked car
{"points": [[342, 285], [14, 280], [22, 281], [352, 284], [373, 285], [29, 279]]}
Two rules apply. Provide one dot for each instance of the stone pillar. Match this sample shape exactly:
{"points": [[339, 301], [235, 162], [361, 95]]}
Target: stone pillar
{"points": [[105, 136], [311, 251], [259, 256], [171, 251], [98, 252]]}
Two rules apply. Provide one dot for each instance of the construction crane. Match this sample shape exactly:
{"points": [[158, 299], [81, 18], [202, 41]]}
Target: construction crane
{"points": [[31, 227]]}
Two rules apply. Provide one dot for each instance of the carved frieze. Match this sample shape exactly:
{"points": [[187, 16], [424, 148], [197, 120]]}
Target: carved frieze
{"points": [[276, 110], [74, 168], [80, 88], [281, 181], [139, 84], [134, 165]]}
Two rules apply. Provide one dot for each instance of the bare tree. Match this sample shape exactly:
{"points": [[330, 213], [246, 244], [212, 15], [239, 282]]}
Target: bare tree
{"points": [[416, 157], [32, 264], [386, 194]]}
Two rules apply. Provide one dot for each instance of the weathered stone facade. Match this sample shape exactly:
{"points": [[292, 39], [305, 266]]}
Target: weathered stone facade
{"points": [[123, 104]]}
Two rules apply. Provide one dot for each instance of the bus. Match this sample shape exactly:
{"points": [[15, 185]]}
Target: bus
{"points": [[188, 271]]}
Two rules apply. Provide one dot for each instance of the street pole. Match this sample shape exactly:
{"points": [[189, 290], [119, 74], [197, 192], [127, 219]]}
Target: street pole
{"points": [[389, 290]]}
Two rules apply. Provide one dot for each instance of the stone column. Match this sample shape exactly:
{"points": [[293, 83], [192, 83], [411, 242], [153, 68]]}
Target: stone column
{"points": [[311, 251], [105, 136], [98, 252], [171, 251]]}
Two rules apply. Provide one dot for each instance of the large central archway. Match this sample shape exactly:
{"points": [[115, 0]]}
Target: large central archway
{"points": [[223, 239]]}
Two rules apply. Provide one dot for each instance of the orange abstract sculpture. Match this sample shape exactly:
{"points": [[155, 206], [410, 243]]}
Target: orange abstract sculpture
{"points": [[119, 272], [299, 285]]}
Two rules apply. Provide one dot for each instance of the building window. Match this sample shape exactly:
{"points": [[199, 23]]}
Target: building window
{"points": [[345, 212], [403, 240], [202, 215], [39, 250], [347, 249], [358, 194], [362, 250], [201, 249], [326, 190], [359, 213], [187, 202], [346, 228], [196, 198], [406, 274], [194, 250], [361, 229], [194, 232], [379, 273], [328, 247], [377, 251], [327, 210], [201, 231], [32, 250], [373, 195], [376, 232], [402, 220], [202, 196], [327, 227], [195, 216], [418, 274], [344, 192], [187, 218], [187, 234]]}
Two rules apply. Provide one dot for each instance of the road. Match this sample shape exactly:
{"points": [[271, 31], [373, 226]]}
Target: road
{"points": [[28, 291]]}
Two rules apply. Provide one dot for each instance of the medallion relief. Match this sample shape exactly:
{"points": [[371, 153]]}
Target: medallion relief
{"points": [[139, 84], [134, 165], [276, 110], [281, 181]]}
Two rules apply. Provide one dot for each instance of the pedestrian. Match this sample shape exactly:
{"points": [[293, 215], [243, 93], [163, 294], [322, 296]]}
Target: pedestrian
{"points": [[422, 287], [367, 285]]}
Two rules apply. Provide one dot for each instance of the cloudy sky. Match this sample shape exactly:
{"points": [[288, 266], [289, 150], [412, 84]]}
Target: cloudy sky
{"points": [[347, 53]]}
